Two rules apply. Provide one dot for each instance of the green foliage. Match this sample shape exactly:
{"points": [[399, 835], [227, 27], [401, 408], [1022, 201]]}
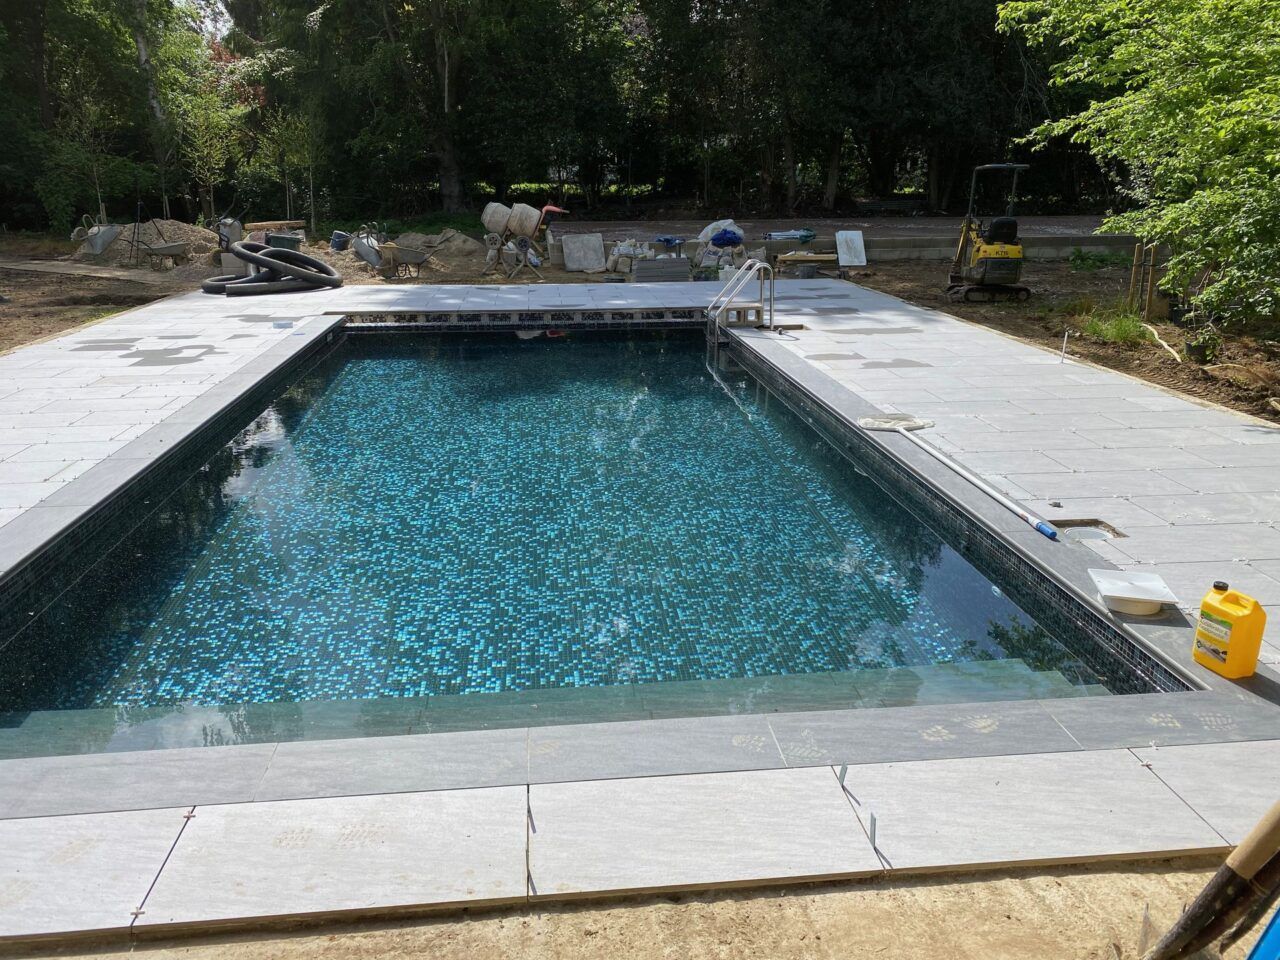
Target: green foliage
{"points": [[1205, 345], [1087, 260], [1115, 325], [363, 109], [1186, 110]]}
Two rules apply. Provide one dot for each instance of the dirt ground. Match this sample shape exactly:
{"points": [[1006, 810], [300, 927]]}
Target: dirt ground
{"points": [[1054, 913], [41, 305]]}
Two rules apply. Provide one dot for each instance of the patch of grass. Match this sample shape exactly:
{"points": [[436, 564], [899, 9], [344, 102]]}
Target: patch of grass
{"points": [[1115, 326], [26, 243], [1078, 308], [1097, 259]]}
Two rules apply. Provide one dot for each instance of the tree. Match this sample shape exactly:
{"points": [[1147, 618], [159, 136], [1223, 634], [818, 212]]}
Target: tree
{"points": [[141, 16], [210, 111], [1185, 107]]}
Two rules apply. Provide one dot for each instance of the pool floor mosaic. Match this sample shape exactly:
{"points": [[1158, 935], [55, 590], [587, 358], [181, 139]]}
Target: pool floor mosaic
{"points": [[424, 516]]}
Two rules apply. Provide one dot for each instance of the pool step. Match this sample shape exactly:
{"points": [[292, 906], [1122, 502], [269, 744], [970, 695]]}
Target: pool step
{"points": [[1009, 679], [92, 731]]}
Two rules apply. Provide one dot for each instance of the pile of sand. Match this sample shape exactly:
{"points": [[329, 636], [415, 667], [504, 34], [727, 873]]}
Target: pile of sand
{"points": [[350, 267], [200, 242], [449, 247]]}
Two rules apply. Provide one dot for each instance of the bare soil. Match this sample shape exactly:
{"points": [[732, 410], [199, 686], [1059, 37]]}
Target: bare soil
{"points": [[42, 305], [1054, 913], [1245, 378]]}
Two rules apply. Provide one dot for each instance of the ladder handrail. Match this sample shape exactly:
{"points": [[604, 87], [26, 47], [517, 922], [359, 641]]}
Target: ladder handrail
{"points": [[734, 285], [734, 281], [724, 299]]}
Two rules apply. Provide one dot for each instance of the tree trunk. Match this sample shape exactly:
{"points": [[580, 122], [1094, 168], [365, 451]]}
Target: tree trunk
{"points": [[39, 63], [452, 191], [940, 172], [206, 202], [445, 66], [882, 167], [832, 186], [452, 197], [789, 166], [159, 119]]}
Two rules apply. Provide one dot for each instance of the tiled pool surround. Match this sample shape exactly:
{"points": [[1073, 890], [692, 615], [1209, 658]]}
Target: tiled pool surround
{"points": [[731, 847], [807, 292], [787, 692], [360, 300]]}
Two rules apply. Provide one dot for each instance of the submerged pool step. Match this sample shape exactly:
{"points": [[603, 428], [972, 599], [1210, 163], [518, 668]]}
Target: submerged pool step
{"points": [[1009, 679], [93, 731]]}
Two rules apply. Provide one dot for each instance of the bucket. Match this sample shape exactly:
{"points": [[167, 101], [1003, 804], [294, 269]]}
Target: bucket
{"points": [[495, 216], [524, 220], [339, 240], [285, 241]]}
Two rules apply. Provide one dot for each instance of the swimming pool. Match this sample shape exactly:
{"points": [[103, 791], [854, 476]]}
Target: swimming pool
{"points": [[458, 531]]}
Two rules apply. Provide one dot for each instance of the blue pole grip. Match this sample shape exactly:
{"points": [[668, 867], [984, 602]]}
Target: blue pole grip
{"points": [[1047, 530]]}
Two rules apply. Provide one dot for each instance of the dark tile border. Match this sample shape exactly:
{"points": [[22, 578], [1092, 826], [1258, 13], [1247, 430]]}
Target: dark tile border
{"points": [[650, 318]]}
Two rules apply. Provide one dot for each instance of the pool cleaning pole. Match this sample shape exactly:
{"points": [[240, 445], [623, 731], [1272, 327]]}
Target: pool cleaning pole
{"points": [[904, 425], [1011, 505]]}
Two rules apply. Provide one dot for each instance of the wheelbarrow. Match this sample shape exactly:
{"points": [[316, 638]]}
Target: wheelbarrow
{"points": [[402, 262], [178, 251]]}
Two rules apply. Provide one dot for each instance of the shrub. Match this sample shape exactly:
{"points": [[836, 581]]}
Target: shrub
{"points": [[1116, 326]]}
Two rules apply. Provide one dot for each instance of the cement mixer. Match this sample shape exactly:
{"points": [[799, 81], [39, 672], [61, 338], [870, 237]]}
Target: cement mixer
{"points": [[520, 220]]}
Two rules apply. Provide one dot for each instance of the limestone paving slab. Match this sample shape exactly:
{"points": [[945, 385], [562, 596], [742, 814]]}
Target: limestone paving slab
{"points": [[917, 733], [651, 748], [1158, 719], [296, 858], [1035, 808], [1131, 454], [52, 786], [1231, 785], [708, 830], [81, 874], [415, 763]]}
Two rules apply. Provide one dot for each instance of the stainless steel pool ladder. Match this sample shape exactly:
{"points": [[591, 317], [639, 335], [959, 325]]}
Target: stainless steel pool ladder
{"points": [[724, 301]]}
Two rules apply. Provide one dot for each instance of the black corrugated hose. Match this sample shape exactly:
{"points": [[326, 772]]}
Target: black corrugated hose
{"points": [[275, 270]]}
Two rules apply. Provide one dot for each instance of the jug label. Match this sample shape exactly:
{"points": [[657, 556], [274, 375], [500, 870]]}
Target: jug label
{"points": [[1215, 627], [1212, 650]]}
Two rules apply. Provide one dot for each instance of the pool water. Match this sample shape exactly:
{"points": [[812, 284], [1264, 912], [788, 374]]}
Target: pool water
{"points": [[449, 516]]}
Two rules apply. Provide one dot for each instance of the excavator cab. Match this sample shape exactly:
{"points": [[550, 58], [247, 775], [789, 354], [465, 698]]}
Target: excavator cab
{"points": [[988, 260]]}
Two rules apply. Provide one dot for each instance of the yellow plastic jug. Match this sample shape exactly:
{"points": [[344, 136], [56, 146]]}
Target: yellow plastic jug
{"points": [[1229, 632]]}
